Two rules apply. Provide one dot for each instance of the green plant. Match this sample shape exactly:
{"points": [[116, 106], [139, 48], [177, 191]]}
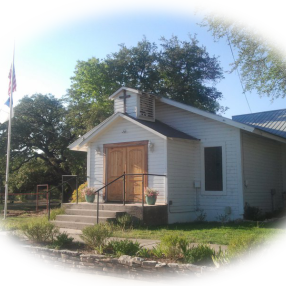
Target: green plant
{"points": [[223, 218], [250, 251], [144, 252], [12, 238], [124, 221], [55, 212], [124, 247], [39, 230], [201, 216], [252, 213], [95, 236], [157, 252], [81, 197], [151, 192], [200, 255], [170, 245], [62, 240], [221, 258]]}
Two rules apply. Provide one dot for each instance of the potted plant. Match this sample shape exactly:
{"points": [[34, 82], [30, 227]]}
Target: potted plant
{"points": [[89, 193], [151, 196]]}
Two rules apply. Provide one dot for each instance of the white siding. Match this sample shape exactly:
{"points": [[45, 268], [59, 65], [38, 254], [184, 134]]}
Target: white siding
{"points": [[214, 133], [181, 171], [262, 162], [131, 103], [114, 134]]}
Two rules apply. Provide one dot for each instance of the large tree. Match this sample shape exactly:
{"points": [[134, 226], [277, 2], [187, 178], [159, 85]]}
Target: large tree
{"points": [[40, 136], [261, 64], [180, 70]]}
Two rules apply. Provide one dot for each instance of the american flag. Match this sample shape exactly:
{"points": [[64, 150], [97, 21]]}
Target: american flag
{"points": [[13, 80], [10, 84]]}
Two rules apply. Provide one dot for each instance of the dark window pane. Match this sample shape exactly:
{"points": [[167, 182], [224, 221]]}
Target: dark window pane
{"points": [[213, 169]]}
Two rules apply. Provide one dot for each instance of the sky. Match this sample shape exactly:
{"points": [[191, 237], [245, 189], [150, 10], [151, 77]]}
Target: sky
{"points": [[50, 39]]}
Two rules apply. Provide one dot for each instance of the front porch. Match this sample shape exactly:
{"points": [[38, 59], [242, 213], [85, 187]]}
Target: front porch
{"points": [[78, 216]]}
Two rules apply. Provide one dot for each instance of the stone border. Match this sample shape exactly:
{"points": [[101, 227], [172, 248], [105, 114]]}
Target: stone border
{"points": [[124, 266]]}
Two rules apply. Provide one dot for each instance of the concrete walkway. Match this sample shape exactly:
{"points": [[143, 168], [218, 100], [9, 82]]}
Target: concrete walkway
{"points": [[146, 243]]}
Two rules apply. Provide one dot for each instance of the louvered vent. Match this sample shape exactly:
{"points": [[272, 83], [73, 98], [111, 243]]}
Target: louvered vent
{"points": [[147, 107]]}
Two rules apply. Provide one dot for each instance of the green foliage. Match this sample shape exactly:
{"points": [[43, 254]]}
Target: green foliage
{"points": [[62, 240], [252, 213], [40, 138], [262, 66], [201, 216], [124, 222], [157, 252], [96, 236], [124, 247], [180, 70], [251, 250], [144, 252], [200, 255], [170, 245], [221, 258], [223, 218], [12, 238], [39, 230], [81, 197], [55, 212], [278, 213]]}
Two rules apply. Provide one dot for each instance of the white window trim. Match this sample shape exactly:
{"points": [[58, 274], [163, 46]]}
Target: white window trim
{"points": [[213, 193]]}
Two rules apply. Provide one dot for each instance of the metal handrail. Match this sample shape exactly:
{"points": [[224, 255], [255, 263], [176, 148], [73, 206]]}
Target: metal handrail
{"points": [[124, 190]]}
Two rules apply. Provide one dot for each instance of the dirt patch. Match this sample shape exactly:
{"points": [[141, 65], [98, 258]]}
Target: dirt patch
{"points": [[26, 213]]}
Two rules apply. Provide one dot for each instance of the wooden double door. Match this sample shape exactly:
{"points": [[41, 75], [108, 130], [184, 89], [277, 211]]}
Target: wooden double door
{"points": [[131, 159]]}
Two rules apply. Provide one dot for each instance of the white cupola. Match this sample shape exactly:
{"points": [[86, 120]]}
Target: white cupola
{"points": [[135, 103]]}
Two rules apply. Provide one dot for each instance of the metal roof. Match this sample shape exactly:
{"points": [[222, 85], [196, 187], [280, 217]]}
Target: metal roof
{"points": [[273, 122]]}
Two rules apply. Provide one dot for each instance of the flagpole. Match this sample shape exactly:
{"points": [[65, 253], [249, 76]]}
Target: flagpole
{"points": [[9, 137]]}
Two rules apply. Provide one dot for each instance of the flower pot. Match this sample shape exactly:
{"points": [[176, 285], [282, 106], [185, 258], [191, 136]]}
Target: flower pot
{"points": [[151, 200], [90, 198]]}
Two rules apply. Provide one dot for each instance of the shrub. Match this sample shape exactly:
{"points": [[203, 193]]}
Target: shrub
{"points": [[81, 196], [157, 252], [252, 213], [249, 251], [201, 216], [12, 238], [124, 222], [55, 212], [62, 240], [200, 255], [221, 258], [170, 245], [144, 252], [39, 230], [124, 247], [95, 236], [275, 214]]}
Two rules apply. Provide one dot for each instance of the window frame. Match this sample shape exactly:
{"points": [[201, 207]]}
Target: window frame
{"points": [[223, 151]]}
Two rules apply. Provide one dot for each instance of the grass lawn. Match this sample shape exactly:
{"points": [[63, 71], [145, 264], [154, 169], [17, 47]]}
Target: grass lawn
{"points": [[199, 232], [207, 232]]}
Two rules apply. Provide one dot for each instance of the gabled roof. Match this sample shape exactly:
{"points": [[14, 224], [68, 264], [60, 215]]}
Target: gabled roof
{"points": [[158, 128], [273, 122], [164, 129]]}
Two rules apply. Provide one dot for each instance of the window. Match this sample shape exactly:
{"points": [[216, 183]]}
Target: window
{"points": [[213, 168]]}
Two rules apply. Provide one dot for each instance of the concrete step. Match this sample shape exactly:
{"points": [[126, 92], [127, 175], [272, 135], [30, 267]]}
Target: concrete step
{"points": [[84, 212], [73, 225], [81, 218], [102, 206]]}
